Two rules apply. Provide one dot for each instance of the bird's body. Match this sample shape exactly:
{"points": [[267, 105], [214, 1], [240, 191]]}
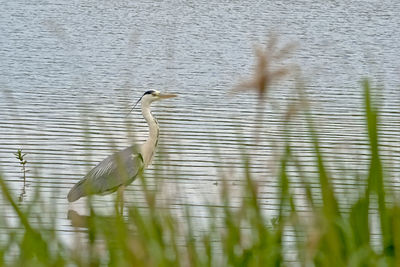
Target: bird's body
{"points": [[121, 168]]}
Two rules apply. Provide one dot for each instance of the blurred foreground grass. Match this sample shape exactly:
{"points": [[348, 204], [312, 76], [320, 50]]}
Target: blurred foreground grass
{"points": [[328, 236]]}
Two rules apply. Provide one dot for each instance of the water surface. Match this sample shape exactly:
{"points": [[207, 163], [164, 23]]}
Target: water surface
{"points": [[71, 70]]}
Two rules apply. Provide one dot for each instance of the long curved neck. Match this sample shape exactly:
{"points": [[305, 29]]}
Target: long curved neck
{"points": [[150, 145]]}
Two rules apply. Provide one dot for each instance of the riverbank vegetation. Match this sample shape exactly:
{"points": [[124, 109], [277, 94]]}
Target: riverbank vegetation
{"points": [[321, 232]]}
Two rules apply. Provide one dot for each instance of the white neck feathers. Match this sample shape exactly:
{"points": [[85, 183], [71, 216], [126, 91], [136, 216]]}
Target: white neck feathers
{"points": [[149, 147]]}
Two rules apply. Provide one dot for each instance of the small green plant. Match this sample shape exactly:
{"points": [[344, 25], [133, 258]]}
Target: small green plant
{"points": [[21, 157]]}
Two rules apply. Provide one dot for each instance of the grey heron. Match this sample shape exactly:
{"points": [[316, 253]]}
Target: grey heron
{"points": [[121, 168]]}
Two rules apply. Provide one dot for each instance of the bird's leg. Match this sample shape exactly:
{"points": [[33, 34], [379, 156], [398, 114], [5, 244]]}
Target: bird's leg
{"points": [[120, 200]]}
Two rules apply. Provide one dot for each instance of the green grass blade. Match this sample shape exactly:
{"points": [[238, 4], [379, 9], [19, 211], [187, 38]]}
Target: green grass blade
{"points": [[375, 175]]}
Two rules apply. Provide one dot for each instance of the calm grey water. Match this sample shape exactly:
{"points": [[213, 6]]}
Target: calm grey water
{"points": [[71, 70]]}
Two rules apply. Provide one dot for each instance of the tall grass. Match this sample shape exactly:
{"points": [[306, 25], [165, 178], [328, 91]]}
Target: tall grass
{"points": [[329, 236]]}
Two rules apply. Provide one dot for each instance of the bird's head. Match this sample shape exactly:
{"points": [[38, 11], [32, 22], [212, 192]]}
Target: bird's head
{"points": [[150, 96]]}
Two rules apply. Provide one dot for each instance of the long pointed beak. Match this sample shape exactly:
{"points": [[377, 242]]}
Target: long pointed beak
{"points": [[164, 96]]}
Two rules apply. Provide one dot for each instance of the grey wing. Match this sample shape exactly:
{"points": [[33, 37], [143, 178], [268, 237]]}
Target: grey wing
{"points": [[121, 168]]}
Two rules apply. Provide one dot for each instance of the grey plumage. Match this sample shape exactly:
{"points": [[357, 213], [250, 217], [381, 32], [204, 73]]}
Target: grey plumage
{"points": [[120, 168]]}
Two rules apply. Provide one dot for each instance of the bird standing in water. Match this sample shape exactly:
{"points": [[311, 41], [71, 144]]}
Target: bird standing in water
{"points": [[121, 168]]}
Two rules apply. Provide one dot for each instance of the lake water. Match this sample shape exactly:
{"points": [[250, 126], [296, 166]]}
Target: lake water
{"points": [[71, 71]]}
